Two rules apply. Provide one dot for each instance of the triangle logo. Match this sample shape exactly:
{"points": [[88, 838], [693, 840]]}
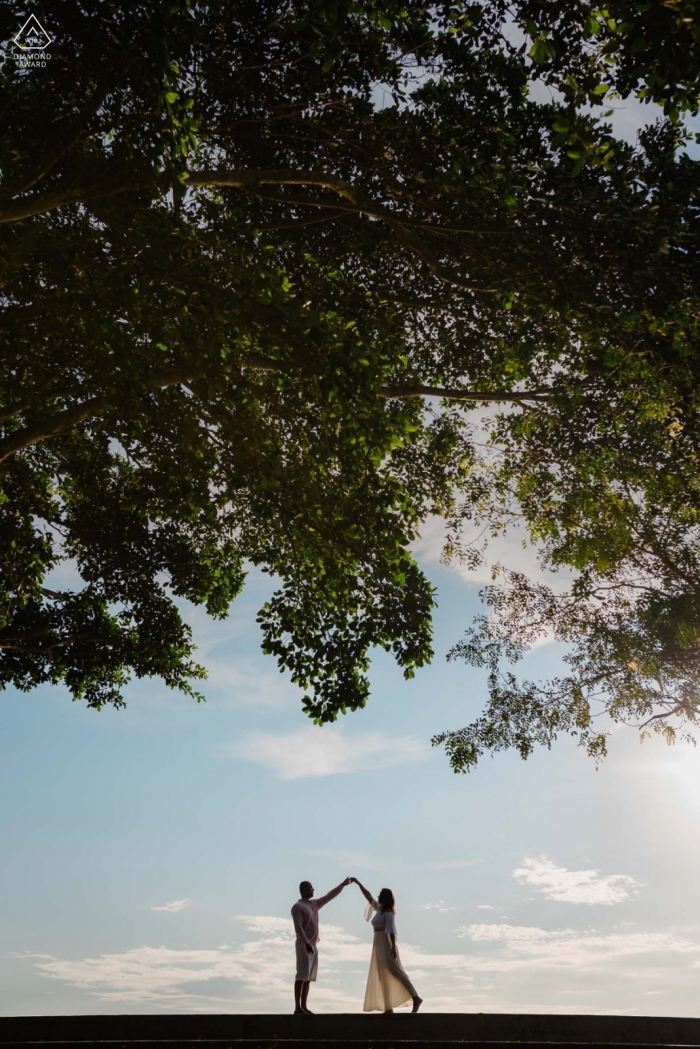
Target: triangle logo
{"points": [[32, 36]]}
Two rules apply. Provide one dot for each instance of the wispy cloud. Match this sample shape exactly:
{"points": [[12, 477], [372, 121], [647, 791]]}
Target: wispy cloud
{"points": [[512, 549], [257, 973], [513, 935], [485, 907], [439, 906], [172, 908], [256, 976], [328, 751], [523, 946], [245, 684], [588, 887]]}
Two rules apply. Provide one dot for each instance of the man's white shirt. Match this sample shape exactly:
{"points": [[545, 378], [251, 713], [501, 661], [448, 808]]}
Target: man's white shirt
{"points": [[305, 916]]}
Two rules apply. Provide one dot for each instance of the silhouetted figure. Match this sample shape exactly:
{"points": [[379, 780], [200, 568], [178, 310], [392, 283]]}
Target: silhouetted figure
{"points": [[305, 916], [388, 986]]}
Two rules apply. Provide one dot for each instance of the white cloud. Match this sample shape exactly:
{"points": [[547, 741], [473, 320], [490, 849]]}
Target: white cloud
{"points": [[485, 907], [259, 973], [511, 549], [589, 887], [526, 946], [439, 906], [244, 684], [513, 935], [312, 752], [271, 926], [257, 976], [172, 908]]}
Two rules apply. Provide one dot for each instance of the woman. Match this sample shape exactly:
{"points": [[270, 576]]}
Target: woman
{"points": [[387, 983]]}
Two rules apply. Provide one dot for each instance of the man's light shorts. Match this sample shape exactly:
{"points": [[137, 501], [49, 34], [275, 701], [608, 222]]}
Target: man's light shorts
{"points": [[307, 964]]}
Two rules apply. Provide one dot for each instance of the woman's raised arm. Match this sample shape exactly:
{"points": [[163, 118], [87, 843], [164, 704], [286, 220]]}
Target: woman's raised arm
{"points": [[365, 892]]}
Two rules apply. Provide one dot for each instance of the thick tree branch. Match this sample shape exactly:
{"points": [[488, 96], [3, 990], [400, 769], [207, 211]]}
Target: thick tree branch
{"points": [[492, 396], [69, 131], [26, 207], [61, 423], [114, 178], [13, 410], [70, 417], [251, 181], [21, 644], [55, 595], [99, 406]]}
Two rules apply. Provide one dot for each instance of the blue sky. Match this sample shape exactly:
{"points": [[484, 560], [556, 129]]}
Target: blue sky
{"points": [[151, 856]]}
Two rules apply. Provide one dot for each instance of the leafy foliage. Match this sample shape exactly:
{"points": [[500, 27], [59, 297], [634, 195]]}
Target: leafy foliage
{"points": [[627, 46], [610, 488], [257, 262]]}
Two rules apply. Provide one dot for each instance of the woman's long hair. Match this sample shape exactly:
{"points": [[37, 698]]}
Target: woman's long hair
{"points": [[386, 901]]}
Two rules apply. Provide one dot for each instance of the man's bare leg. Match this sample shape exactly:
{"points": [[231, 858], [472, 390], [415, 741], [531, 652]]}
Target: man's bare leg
{"points": [[304, 995], [298, 987]]}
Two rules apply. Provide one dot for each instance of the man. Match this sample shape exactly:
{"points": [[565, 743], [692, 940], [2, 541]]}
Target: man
{"points": [[305, 917]]}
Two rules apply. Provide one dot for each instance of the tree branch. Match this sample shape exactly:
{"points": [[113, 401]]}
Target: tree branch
{"points": [[251, 181], [26, 207], [70, 129], [492, 396], [403, 392], [13, 410], [97, 406], [66, 420], [21, 644], [114, 178]]}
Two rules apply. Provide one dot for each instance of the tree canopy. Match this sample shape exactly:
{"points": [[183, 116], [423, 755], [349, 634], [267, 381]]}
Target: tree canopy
{"points": [[261, 263]]}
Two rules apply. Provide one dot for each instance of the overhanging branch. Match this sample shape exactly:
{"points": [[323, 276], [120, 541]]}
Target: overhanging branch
{"points": [[361, 202], [98, 406], [251, 181], [39, 204], [73, 416], [491, 396]]}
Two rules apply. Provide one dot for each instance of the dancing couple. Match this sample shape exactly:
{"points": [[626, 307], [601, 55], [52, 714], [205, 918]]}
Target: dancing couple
{"points": [[388, 986]]}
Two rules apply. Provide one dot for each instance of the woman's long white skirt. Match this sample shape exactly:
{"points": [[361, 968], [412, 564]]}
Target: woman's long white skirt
{"points": [[388, 986]]}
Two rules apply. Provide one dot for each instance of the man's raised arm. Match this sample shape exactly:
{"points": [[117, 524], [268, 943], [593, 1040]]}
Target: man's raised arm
{"points": [[323, 900]]}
